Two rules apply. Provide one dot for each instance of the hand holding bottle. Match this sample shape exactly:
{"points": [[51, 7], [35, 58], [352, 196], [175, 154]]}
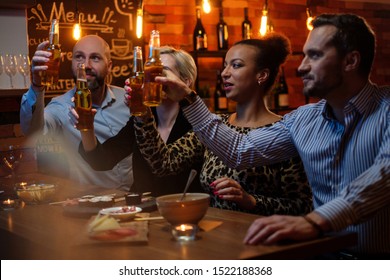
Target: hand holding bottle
{"points": [[38, 63], [176, 88], [51, 75], [129, 98], [74, 117]]}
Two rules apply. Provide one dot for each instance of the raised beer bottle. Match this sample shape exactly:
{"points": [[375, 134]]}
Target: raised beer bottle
{"points": [[51, 75], [83, 100], [137, 108], [153, 68]]}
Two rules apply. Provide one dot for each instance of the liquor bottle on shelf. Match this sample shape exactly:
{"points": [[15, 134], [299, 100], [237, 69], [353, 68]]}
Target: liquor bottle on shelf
{"points": [[153, 67], [200, 36], [220, 99], [246, 26], [222, 32], [137, 108], [51, 75], [281, 92], [83, 100]]}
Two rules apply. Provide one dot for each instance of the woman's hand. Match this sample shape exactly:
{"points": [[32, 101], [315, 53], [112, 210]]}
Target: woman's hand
{"points": [[175, 88], [229, 189], [127, 92]]}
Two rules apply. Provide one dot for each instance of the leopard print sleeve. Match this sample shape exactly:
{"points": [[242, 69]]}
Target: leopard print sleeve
{"points": [[167, 159], [293, 193]]}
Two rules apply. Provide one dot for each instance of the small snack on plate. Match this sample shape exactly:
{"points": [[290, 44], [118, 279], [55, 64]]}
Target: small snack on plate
{"points": [[103, 222], [106, 228]]}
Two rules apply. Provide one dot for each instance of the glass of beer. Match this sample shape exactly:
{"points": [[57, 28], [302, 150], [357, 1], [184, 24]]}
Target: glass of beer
{"points": [[153, 68], [137, 107]]}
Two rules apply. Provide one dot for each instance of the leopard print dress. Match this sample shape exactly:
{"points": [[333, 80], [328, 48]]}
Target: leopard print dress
{"points": [[280, 188]]}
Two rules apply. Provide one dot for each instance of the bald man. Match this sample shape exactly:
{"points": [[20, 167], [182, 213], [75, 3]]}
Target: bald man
{"points": [[53, 120]]}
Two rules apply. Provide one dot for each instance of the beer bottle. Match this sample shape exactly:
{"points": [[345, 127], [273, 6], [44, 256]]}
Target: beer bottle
{"points": [[51, 75], [83, 100], [153, 67], [137, 108]]}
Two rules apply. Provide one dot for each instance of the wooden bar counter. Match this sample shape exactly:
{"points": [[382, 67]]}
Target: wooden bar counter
{"points": [[47, 232]]}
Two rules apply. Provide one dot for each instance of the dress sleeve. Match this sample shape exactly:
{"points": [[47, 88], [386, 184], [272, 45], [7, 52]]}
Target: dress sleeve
{"points": [[293, 195], [105, 156], [167, 159]]}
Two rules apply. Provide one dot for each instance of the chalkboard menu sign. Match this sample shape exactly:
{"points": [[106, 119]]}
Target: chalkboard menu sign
{"points": [[113, 20]]}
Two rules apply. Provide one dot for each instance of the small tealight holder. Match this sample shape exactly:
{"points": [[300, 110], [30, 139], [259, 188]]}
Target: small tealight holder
{"points": [[184, 232]]}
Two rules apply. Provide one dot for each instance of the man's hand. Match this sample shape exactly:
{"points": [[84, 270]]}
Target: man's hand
{"points": [[74, 117], [38, 62], [272, 229]]}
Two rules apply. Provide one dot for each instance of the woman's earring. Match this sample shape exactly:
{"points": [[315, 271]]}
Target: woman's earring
{"points": [[259, 82]]}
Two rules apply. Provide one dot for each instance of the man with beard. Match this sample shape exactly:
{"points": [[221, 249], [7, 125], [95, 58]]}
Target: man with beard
{"points": [[343, 140], [53, 120]]}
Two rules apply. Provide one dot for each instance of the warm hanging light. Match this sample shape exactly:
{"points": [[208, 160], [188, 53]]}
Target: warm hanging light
{"points": [[140, 19], [264, 19], [77, 25], [206, 6], [309, 19], [309, 16]]}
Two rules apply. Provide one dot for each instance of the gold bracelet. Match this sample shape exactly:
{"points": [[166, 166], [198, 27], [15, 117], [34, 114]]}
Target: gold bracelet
{"points": [[315, 225]]}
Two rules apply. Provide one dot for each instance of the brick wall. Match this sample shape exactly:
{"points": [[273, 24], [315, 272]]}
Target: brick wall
{"points": [[176, 19]]}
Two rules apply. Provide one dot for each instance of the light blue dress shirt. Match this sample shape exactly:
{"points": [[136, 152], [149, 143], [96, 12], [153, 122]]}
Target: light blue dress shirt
{"points": [[111, 116]]}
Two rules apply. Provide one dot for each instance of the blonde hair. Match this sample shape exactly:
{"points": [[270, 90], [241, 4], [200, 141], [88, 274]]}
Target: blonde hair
{"points": [[185, 64]]}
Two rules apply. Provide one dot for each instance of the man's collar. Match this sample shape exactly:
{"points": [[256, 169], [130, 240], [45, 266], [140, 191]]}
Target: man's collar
{"points": [[359, 102], [109, 98]]}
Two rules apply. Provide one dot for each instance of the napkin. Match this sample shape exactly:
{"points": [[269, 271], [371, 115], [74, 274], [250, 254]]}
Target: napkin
{"points": [[207, 225]]}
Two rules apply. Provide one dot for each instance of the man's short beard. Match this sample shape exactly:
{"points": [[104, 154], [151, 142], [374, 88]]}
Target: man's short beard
{"points": [[92, 85]]}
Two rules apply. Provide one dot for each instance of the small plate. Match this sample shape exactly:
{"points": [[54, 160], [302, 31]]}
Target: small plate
{"points": [[121, 212]]}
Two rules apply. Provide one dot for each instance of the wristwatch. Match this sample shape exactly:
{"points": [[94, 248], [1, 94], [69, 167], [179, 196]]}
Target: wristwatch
{"points": [[188, 99]]}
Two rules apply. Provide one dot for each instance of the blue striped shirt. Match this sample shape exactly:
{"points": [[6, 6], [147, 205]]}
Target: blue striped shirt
{"points": [[347, 164]]}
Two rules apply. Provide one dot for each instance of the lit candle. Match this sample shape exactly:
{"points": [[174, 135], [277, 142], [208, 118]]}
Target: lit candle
{"points": [[9, 203], [185, 232]]}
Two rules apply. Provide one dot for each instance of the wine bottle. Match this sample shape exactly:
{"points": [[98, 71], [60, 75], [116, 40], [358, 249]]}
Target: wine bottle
{"points": [[200, 36], [281, 91], [51, 75], [153, 68], [137, 108], [246, 26], [83, 100], [220, 99], [222, 32]]}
